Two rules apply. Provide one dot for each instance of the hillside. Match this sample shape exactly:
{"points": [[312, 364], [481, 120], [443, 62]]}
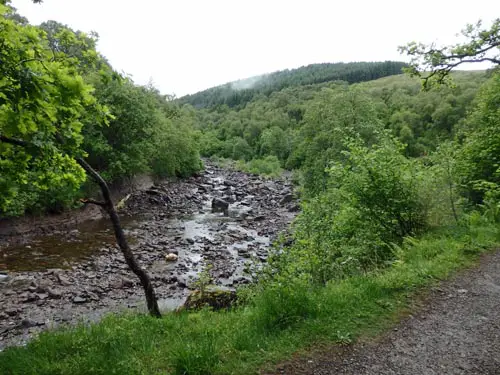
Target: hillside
{"points": [[238, 93], [292, 128]]}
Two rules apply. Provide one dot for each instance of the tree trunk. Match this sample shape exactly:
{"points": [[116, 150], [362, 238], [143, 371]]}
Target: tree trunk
{"points": [[122, 241]]}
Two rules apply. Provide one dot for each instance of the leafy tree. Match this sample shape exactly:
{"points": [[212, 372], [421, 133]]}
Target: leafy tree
{"points": [[480, 141], [480, 152], [42, 104], [329, 121]]}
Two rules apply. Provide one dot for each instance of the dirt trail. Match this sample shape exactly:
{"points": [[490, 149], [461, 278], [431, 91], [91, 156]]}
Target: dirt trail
{"points": [[456, 331]]}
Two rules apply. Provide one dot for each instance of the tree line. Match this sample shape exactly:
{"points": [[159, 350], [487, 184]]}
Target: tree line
{"points": [[238, 93]]}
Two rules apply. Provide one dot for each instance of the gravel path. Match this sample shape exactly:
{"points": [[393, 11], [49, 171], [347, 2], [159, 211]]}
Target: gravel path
{"points": [[457, 331]]}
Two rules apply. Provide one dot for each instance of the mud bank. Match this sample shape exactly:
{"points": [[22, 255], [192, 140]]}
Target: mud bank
{"points": [[69, 269]]}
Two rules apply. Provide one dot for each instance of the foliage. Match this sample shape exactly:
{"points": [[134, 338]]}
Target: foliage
{"points": [[480, 152], [373, 200], [434, 64], [268, 166], [42, 101], [57, 90], [330, 121], [299, 125]]}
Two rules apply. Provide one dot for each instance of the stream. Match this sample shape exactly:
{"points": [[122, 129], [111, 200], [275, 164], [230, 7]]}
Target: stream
{"points": [[65, 271]]}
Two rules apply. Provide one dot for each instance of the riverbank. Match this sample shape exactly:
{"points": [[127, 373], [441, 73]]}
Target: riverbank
{"points": [[276, 324], [67, 269]]}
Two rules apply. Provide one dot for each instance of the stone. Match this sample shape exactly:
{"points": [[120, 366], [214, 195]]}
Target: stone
{"points": [[79, 300], [217, 298], [127, 283], [220, 205], [286, 199], [63, 280], [28, 323], [11, 312], [42, 296], [54, 293], [171, 257], [4, 277]]}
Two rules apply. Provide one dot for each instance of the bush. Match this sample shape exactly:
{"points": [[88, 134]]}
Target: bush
{"points": [[269, 166], [373, 200]]}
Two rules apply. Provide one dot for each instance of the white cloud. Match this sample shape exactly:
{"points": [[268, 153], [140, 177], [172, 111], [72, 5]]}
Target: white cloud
{"points": [[188, 45]]}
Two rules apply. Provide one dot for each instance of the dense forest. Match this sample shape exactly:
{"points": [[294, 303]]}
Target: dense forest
{"points": [[237, 94], [399, 181]]}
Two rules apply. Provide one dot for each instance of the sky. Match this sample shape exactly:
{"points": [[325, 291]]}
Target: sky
{"points": [[185, 46]]}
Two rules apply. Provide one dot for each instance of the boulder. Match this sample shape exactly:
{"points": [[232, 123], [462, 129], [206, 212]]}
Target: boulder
{"points": [[217, 298], [79, 300], [171, 257], [220, 205], [286, 199]]}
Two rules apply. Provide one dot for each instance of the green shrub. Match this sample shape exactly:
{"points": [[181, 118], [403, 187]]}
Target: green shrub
{"points": [[374, 200], [269, 166]]}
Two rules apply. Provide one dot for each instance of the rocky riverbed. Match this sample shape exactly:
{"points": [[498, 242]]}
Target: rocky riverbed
{"points": [[63, 271]]}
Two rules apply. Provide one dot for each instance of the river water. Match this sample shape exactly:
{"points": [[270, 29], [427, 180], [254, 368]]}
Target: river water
{"points": [[75, 272]]}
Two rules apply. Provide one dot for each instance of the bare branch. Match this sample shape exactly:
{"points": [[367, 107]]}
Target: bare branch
{"points": [[14, 141], [93, 201]]}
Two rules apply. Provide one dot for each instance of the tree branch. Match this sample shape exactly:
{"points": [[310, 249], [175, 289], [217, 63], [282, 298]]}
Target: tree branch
{"points": [[14, 141], [484, 50], [93, 201]]}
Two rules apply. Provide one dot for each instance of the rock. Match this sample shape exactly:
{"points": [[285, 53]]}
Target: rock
{"points": [[79, 300], [152, 191], [217, 298], [127, 283], [259, 218], [220, 205], [27, 297], [171, 257], [11, 312], [42, 296], [63, 280], [28, 323], [286, 199], [54, 293], [4, 277]]}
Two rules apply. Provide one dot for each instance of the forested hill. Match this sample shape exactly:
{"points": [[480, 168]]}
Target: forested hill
{"points": [[243, 91]]}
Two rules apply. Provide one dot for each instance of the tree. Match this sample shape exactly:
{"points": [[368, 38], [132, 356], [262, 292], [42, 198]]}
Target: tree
{"points": [[434, 64], [42, 104], [479, 142]]}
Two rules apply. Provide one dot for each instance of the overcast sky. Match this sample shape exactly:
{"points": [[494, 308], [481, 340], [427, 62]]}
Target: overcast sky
{"points": [[185, 46]]}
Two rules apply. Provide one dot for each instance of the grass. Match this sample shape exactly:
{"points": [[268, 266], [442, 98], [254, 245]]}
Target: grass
{"points": [[279, 321]]}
